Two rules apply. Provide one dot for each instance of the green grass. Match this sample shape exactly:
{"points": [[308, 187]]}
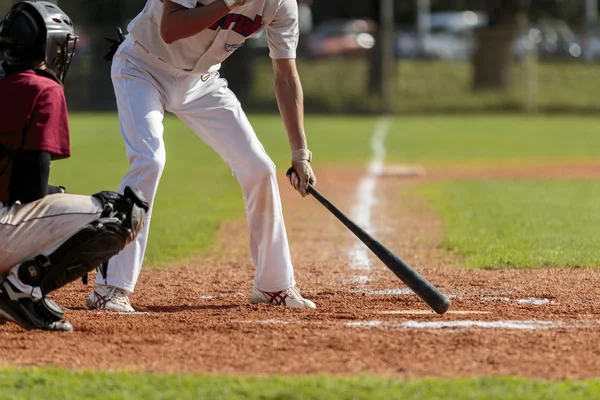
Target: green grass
{"points": [[491, 223], [493, 139], [197, 192], [520, 224], [50, 384]]}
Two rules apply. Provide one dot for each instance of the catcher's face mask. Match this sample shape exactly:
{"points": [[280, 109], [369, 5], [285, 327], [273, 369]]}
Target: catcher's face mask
{"points": [[36, 31], [60, 59]]}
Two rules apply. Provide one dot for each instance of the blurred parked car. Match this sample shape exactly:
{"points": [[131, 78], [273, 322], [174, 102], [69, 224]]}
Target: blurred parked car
{"points": [[590, 44], [341, 37], [332, 38], [452, 35], [407, 44], [553, 39]]}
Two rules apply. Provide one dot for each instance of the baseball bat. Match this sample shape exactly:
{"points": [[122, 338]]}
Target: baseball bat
{"points": [[421, 286]]}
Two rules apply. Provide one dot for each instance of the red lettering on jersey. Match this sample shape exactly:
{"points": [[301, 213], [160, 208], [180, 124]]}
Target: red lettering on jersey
{"points": [[230, 19], [243, 25]]}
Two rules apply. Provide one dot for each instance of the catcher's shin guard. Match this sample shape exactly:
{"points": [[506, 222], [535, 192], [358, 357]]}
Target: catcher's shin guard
{"points": [[28, 312], [120, 222]]}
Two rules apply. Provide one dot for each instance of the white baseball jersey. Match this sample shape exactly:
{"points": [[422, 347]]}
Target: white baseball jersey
{"points": [[205, 51]]}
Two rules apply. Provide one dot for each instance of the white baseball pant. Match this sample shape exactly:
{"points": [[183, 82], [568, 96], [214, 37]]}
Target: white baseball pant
{"points": [[145, 86], [41, 227]]}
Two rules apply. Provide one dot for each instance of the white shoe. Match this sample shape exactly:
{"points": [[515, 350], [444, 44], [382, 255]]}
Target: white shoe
{"points": [[106, 297], [290, 297]]}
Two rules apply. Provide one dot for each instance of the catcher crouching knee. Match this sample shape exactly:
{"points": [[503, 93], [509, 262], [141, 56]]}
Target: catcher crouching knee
{"points": [[48, 238]]}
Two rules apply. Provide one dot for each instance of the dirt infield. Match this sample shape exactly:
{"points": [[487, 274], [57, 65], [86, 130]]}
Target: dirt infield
{"points": [[197, 316]]}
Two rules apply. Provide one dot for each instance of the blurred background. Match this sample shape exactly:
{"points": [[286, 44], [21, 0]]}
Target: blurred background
{"points": [[400, 56]]}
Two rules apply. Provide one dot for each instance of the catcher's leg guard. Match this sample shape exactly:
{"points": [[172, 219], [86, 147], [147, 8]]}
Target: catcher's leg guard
{"points": [[120, 222], [28, 312]]}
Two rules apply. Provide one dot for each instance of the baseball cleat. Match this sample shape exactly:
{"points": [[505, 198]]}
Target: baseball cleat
{"points": [[30, 313], [106, 297], [290, 298]]}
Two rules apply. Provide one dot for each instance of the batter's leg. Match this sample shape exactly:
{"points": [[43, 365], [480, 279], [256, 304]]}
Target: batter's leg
{"points": [[218, 119], [141, 113]]}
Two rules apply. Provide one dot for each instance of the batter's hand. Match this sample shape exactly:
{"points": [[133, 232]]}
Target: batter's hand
{"points": [[231, 4], [301, 174]]}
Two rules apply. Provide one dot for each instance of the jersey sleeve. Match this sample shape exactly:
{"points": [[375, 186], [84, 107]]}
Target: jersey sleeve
{"points": [[186, 3], [282, 32], [48, 128], [29, 179]]}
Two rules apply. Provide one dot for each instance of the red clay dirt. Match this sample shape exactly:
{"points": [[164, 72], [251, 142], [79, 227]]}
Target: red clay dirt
{"points": [[196, 317]]}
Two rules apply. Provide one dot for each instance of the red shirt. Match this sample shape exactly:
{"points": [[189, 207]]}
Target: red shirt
{"points": [[33, 114]]}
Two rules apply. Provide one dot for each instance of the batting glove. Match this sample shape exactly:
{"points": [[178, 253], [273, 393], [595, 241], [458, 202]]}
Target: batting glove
{"points": [[301, 174], [114, 44]]}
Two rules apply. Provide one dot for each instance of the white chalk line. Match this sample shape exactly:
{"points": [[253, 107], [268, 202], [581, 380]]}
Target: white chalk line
{"points": [[409, 292], [362, 211], [514, 324], [264, 322], [110, 312], [386, 292], [437, 325], [504, 324], [530, 301]]}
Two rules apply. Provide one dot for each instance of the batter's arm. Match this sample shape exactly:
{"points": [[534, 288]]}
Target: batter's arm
{"points": [[179, 22], [290, 100]]}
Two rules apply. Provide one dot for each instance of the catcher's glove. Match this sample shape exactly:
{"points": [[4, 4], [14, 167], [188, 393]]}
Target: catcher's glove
{"points": [[114, 44]]}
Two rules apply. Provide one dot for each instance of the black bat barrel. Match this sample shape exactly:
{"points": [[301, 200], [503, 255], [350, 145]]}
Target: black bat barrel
{"points": [[421, 286]]}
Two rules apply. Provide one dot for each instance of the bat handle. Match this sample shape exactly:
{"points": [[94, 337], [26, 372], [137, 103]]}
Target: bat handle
{"points": [[316, 194]]}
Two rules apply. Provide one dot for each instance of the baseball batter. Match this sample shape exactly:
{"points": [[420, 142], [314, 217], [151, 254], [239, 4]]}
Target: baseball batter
{"points": [[169, 61], [47, 238]]}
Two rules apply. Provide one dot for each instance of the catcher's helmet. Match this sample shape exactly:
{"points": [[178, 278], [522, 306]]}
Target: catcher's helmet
{"points": [[35, 31]]}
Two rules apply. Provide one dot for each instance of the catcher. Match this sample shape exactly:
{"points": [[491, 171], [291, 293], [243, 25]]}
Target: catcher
{"points": [[47, 238]]}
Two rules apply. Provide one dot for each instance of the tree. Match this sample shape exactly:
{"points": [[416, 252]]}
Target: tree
{"points": [[491, 61], [374, 78]]}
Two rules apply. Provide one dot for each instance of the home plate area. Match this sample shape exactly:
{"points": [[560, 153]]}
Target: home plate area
{"points": [[502, 327], [534, 323]]}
